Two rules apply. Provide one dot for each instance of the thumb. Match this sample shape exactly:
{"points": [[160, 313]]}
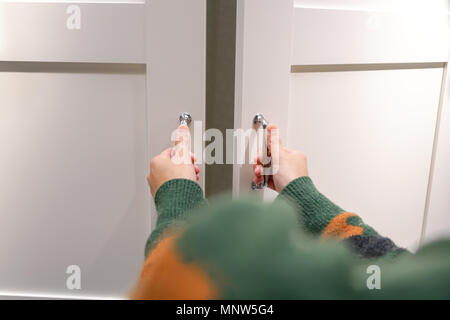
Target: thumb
{"points": [[273, 139], [182, 149], [167, 153], [182, 135]]}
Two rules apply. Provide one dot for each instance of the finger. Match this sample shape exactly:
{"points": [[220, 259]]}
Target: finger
{"points": [[258, 170], [182, 135], [257, 160], [167, 153], [273, 137], [183, 145], [197, 169], [271, 183], [258, 180], [289, 150]]}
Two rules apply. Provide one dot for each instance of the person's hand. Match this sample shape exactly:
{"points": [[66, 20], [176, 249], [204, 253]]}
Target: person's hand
{"points": [[287, 164], [174, 163]]}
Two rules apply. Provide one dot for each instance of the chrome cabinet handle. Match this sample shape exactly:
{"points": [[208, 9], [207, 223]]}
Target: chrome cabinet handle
{"points": [[185, 118], [260, 122]]}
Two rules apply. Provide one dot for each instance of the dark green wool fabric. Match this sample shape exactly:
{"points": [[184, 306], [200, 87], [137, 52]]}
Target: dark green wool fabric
{"points": [[257, 251], [254, 250], [174, 202], [315, 210]]}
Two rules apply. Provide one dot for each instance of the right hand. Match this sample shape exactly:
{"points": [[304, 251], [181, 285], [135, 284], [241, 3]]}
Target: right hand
{"points": [[291, 163]]}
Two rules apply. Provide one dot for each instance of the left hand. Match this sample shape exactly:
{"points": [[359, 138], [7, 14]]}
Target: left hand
{"points": [[174, 163]]}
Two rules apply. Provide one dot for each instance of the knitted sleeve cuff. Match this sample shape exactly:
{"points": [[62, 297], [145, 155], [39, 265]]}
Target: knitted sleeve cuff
{"points": [[175, 198], [315, 210], [174, 201]]}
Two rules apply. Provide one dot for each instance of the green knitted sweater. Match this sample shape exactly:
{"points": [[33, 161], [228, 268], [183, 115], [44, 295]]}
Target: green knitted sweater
{"points": [[301, 246]]}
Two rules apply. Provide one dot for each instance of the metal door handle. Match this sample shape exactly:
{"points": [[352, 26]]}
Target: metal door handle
{"points": [[185, 118], [260, 121]]}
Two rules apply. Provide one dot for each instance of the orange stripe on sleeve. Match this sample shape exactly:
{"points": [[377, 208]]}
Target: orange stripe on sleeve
{"points": [[166, 277], [338, 227]]}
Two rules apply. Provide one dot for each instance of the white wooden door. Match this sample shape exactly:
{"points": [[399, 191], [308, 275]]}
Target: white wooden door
{"points": [[358, 86], [84, 105]]}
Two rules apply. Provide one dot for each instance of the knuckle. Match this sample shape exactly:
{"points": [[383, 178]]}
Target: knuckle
{"points": [[154, 162], [302, 155]]}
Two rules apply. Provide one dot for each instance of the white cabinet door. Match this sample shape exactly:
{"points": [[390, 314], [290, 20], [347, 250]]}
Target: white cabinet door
{"points": [[81, 113], [357, 87]]}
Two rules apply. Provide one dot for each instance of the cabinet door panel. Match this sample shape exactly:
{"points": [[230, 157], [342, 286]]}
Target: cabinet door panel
{"points": [[73, 191], [369, 136], [37, 31], [364, 97], [324, 36], [81, 113]]}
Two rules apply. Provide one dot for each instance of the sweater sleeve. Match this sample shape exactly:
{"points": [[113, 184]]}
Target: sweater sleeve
{"points": [[322, 217], [174, 202]]}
